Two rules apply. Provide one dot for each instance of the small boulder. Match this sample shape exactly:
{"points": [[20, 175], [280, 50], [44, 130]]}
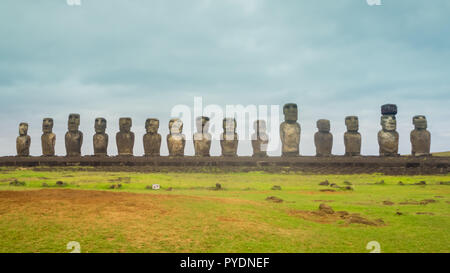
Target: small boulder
{"points": [[276, 188], [388, 203], [324, 183], [347, 183], [274, 199], [325, 208]]}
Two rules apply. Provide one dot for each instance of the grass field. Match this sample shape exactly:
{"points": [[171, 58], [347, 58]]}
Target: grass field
{"points": [[442, 154], [189, 214]]}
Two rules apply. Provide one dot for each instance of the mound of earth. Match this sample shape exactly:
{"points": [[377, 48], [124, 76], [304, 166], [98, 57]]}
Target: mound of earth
{"points": [[274, 199], [327, 215]]}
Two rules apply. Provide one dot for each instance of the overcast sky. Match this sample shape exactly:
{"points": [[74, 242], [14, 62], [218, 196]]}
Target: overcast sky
{"points": [[139, 59]]}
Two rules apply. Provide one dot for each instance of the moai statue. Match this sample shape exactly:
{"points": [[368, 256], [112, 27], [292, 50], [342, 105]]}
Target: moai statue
{"points": [[23, 141], [152, 140], [74, 138], [352, 138], [323, 139], [290, 131], [202, 139], [100, 138], [125, 138], [420, 137], [229, 138], [48, 138], [175, 139], [260, 139], [388, 136]]}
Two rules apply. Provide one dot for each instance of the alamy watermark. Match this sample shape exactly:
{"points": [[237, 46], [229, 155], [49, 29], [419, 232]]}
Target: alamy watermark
{"points": [[73, 2], [374, 2]]}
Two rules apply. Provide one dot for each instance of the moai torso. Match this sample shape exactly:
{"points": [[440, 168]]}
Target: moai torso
{"points": [[229, 138], [23, 141], [152, 140], [74, 138], [352, 138], [260, 139], [420, 137], [48, 138], [176, 141], [323, 139], [202, 139], [125, 138], [388, 137], [100, 138], [290, 131]]}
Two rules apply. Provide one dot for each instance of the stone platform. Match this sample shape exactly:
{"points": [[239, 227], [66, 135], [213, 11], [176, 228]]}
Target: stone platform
{"points": [[404, 165]]}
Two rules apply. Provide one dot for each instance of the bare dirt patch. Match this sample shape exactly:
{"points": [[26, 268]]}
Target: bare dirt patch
{"points": [[326, 215]]}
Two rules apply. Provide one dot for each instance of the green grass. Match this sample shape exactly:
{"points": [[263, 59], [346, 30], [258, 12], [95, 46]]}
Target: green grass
{"points": [[194, 218], [442, 154]]}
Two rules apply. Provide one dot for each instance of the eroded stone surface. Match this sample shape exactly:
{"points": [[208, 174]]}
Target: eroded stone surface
{"points": [[352, 138], [176, 141], [74, 138], [125, 138], [290, 131], [23, 141], [48, 139], [260, 139], [202, 139], [152, 140], [323, 139], [100, 138], [229, 138], [420, 137]]}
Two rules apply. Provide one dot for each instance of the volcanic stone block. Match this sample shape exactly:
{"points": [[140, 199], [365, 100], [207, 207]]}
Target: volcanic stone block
{"points": [[260, 139], [152, 140], [23, 141], [290, 131], [352, 138], [323, 139], [48, 138], [74, 138], [125, 138], [100, 138], [420, 137], [202, 139], [176, 141], [229, 140]]}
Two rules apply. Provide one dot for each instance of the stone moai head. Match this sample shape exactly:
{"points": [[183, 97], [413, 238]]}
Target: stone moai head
{"points": [[388, 120], [290, 112], [323, 125], [202, 124], [352, 123], [152, 125], [388, 123], [125, 125], [175, 126], [74, 122], [23, 129], [259, 126], [229, 125], [100, 125], [47, 125], [420, 122]]}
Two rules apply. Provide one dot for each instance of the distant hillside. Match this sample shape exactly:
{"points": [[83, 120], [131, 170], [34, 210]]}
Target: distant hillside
{"points": [[442, 154]]}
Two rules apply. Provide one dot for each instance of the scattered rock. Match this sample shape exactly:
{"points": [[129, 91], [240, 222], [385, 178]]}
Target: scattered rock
{"points": [[148, 187], [274, 199], [218, 186], [388, 203], [335, 186], [399, 213], [347, 183], [60, 183], [325, 208], [427, 201], [401, 183], [169, 189], [324, 183], [327, 190], [276, 188], [424, 213], [421, 183], [380, 182], [347, 188], [115, 186], [357, 219], [444, 183], [17, 183], [44, 184]]}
